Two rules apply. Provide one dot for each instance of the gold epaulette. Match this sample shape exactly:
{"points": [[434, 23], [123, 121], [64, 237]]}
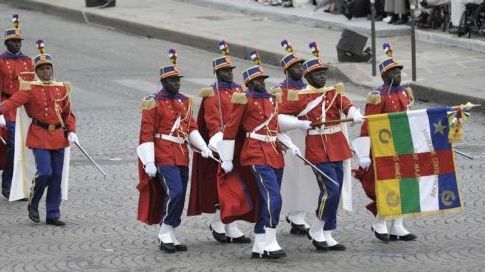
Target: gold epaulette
{"points": [[410, 93], [68, 86], [277, 96], [239, 98], [373, 98], [339, 88], [275, 90], [148, 103], [206, 91], [24, 85], [311, 90], [292, 95]]}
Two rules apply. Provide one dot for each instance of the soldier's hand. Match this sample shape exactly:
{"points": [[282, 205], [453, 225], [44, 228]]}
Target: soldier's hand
{"points": [[72, 138], [364, 163], [227, 166], [305, 124], [151, 169], [3, 123], [206, 152]]}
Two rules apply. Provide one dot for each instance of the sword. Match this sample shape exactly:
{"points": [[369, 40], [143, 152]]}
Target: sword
{"points": [[463, 154], [313, 166], [90, 159], [3, 140]]}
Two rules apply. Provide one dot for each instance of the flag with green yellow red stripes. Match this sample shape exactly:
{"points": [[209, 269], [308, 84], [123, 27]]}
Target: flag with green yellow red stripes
{"points": [[413, 163]]}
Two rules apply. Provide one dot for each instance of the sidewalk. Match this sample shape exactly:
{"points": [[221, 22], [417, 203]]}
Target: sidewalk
{"points": [[306, 16], [447, 75]]}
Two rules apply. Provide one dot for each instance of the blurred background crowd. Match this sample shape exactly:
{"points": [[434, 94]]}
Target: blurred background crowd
{"points": [[461, 17]]}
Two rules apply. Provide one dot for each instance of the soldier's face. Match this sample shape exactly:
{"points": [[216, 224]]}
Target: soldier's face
{"points": [[317, 78], [44, 72], [13, 45], [393, 77], [258, 84], [171, 84], [225, 75], [295, 71]]}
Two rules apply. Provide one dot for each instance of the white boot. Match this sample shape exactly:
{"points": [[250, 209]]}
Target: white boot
{"points": [[399, 232], [298, 218], [271, 248], [178, 246], [332, 243], [165, 238], [316, 231], [216, 223], [380, 230], [232, 230], [258, 245], [165, 235]]}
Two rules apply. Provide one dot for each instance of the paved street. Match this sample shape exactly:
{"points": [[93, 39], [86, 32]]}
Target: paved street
{"points": [[111, 72]]}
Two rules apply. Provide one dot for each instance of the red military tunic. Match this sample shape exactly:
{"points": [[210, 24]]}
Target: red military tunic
{"points": [[11, 67], [159, 115], [382, 100], [251, 110], [44, 102], [216, 103], [325, 147]]}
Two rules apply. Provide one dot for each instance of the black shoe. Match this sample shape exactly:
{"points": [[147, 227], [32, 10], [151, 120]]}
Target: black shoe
{"points": [[54, 222], [275, 254], [407, 237], [263, 255], [320, 246], [337, 247], [180, 247], [167, 247], [6, 192], [297, 229], [33, 214], [381, 236], [239, 240], [220, 237]]}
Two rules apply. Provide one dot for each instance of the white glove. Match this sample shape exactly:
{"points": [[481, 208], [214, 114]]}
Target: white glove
{"points": [[364, 163], [151, 169], [304, 124], [3, 123], [227, 166], [355, 114], [72, 138], [205, 152], [294, 150]]}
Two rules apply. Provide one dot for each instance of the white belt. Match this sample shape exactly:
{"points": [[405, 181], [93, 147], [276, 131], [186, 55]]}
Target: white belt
{"points": [[170, 138], [261, 137], [329, 130]]}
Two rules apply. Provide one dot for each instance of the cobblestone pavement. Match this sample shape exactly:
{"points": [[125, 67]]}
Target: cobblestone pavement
{"points": [[111, 73]]}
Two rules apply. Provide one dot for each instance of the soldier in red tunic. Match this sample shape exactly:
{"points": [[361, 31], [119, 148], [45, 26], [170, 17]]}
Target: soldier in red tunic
{"points": [[213, 114], [47, 103], [256, 113], [13, 66], [293, 69], [166, 126], [326, 145], [390, 97]]}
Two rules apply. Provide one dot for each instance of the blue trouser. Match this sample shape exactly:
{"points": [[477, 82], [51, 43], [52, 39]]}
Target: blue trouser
{"points": [[8, 168], [174, 182], [269, 185], [49, 165], [329, 192]]}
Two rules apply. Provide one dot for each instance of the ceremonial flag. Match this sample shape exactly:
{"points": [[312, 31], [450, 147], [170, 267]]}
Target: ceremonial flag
{"points": [[413, 163]]}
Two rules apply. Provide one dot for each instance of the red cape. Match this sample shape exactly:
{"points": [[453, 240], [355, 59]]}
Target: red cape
{"points": [[151, 199], [235, 192]]}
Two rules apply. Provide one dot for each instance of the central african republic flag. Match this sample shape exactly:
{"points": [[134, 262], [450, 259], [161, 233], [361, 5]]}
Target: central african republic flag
{"points": [[413, 163]]}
